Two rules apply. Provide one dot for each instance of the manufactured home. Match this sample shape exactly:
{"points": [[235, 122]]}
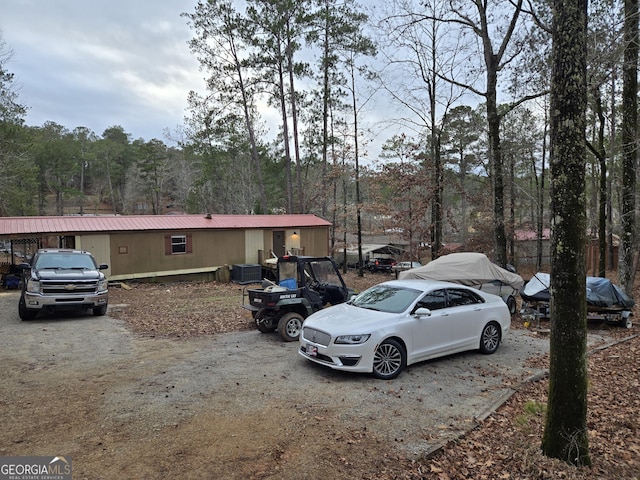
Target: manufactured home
{"points": [[151, 246]]}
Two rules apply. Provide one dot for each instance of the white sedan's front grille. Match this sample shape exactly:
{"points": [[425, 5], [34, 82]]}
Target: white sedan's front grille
{"points": [[316, 336]]}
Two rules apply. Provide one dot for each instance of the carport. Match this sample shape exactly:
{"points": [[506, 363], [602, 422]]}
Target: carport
{"points": [[388, 250], [15, 251]]}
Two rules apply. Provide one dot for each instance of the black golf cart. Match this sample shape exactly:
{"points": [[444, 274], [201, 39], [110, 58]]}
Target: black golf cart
{"points": [[303, 286]]}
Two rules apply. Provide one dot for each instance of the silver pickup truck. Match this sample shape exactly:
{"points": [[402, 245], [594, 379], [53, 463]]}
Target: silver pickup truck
{"points": [[60, 279]]}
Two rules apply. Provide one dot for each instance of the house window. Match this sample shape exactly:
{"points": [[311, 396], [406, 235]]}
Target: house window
{"points": [[177, 244]]}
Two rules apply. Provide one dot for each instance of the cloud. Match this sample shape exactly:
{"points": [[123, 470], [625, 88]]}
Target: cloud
{"points": [[98, 64]]}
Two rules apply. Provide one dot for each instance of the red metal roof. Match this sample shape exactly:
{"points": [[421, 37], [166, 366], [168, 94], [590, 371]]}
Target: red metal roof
{"points": [[119, 223]]}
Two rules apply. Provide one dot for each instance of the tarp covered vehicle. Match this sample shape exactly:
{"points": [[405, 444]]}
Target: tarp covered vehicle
{"points": [[604, 298], [472, 269]]}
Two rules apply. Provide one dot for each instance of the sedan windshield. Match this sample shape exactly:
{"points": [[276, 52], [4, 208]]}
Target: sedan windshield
{"points": [[386, 299]]}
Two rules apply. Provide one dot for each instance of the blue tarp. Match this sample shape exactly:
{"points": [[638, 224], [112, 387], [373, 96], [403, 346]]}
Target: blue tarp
{"points": [[601, 292]]}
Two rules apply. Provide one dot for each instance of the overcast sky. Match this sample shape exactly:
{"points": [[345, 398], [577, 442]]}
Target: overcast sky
{"points": [[99, 63]]}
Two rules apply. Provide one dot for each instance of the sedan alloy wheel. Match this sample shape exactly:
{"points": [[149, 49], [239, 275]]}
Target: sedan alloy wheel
{"points": [[389, 360], [490, 338]]}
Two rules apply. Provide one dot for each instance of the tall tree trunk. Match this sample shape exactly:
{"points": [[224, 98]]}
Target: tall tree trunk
{"points": [[626, 272], [512, 212], [325, 113], [542, 200], [463, 198], [112, 195], [602, 201], [294, 121], [497, 175], [334, 197], [613, 142], [252, 135], [356, 152], [565, 432], [492, 64], [285, 135], [436, 206]]}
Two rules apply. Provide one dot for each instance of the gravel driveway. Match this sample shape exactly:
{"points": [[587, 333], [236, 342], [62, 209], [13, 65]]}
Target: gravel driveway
{"points": [[112, 392]]}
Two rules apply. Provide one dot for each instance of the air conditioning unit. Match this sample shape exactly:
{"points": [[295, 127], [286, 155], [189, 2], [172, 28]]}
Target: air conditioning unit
{"points": [[246, 273]]}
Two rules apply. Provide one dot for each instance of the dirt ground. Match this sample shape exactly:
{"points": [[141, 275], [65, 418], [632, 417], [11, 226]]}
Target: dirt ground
{"points": [[176, 383]]}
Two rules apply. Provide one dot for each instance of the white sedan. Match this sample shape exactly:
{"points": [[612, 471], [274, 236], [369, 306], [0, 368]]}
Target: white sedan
{"points": [[397, 323]]}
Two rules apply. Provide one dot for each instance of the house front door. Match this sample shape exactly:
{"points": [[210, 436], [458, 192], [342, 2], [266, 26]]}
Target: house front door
{"points": [[278, 243]]}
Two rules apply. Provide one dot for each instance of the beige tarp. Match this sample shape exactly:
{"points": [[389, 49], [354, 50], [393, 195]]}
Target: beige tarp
{"points": [[467, 268]]}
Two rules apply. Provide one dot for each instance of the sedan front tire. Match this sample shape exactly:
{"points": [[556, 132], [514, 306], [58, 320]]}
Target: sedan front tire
{"points": [[389, 359]]}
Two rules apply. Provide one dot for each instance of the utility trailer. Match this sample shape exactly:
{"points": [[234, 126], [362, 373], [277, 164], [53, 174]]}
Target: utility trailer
{"points": [[605, 300]]}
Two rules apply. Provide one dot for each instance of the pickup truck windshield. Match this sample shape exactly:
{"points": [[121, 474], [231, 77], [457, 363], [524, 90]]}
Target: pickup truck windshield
{"points": [[64, 261]]}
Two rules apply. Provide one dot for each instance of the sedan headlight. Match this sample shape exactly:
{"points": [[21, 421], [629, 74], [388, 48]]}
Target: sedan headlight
{"points": [[33, 286], [352, 339]]}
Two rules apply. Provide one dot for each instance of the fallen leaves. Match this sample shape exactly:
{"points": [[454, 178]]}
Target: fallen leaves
{"points": [[506, 445], [502, 447]]}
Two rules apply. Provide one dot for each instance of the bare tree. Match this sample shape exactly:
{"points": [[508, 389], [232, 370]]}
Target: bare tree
{"points": [[353, 76], [499, 32], [416, 59]]}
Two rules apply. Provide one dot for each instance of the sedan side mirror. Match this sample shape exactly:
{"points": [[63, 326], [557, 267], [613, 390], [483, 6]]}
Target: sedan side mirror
{"points": [[422, 312]]}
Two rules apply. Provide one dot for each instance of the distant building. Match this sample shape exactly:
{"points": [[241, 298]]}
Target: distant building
{"points": [[526, 247]]}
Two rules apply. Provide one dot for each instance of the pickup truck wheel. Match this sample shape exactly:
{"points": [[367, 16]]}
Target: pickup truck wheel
{"points": [[99, 311], [290, 325], [264, 322], [24, 312]]}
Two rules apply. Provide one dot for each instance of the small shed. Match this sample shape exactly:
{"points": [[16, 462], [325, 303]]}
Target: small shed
{"points": [[526, 247]]}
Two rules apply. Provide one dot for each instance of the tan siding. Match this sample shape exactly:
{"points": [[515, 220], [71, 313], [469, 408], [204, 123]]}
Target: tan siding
{"points": [[268, 242], [254, 241], [292, 241], [98, 245], [145, 252], [140, 253], [315, 241]]}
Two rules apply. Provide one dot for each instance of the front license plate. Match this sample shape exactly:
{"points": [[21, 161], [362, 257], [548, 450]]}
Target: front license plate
{"points": [[312, 350]]}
